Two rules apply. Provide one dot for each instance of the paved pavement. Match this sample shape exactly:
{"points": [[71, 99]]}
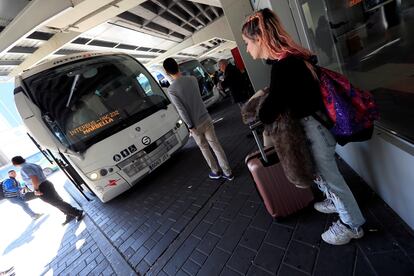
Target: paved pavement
{"points": [[179, 222]]}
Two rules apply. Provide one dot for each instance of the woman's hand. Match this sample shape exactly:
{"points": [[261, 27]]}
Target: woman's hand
{"points": [[260, 93]]}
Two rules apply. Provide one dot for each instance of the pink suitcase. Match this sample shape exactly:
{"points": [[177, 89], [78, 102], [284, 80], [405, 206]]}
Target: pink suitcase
{"points": [[280, 197]]}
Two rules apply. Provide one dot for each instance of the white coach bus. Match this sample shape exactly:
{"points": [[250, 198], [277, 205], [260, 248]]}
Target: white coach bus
{"points": [[102, 116]]}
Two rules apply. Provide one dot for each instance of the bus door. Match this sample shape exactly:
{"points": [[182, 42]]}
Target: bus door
{"points": [[66, 167]]}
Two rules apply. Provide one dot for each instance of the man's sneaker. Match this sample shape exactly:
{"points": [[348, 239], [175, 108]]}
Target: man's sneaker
{"points": [[229, 177], [68, 219], [213, 175], [339, 234], [326, 206], [36, 216], [80, 216]]}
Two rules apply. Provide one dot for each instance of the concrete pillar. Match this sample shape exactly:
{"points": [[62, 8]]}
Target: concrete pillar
{"points": [[236, 12], [283, 9]]}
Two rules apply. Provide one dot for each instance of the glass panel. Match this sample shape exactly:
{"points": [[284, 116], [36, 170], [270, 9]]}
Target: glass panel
{"points": [[145, 84], [372, 42], [195, 69], [210, 65], [88, 100]]}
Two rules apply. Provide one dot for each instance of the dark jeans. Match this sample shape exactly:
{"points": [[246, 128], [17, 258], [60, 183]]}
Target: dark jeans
{"points": [[52, 197], [19, 201]]}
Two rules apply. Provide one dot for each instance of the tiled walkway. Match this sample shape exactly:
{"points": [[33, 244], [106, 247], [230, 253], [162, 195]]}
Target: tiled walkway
{"points": [[178, 222]]}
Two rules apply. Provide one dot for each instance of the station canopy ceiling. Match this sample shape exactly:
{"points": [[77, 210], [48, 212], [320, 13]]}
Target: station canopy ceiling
{"points": [[150, 30]]}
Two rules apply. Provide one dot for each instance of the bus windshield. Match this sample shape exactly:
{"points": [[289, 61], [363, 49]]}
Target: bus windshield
{"points": [[88, 100]]}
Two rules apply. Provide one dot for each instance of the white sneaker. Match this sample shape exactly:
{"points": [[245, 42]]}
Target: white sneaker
{"points": [[339, 234], [326, 206]]}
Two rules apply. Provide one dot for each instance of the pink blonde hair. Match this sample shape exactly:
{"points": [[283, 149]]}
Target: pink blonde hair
{"points": [[265, 24]]}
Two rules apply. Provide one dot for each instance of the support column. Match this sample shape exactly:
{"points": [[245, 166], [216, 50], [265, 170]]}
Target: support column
{"points": [[236, 12], [284, 11]]}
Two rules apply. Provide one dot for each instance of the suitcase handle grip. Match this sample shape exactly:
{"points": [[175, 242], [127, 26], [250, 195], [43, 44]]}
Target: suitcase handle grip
{"points": [[254, 125]]}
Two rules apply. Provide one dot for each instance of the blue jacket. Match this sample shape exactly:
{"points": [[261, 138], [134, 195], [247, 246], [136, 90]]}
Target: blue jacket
{"points": [[11, 187]]}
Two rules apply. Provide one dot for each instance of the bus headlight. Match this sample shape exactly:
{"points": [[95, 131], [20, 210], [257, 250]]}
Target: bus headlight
{"points": [[99, 173], [94, 176], [178, 124]]}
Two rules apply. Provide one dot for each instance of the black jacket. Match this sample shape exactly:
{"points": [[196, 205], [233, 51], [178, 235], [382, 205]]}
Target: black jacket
{"points": [[234, 80], [292, 88]]}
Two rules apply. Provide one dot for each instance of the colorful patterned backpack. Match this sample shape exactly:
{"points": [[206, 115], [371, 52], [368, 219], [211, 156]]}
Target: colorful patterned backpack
{"points": [[351, 111]]}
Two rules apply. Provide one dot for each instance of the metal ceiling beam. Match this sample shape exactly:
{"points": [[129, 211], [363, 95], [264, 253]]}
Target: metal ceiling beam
{"points": [[35, 14], [159, 13], [203, 12], [187, 10], [45, 50], [80, 13], [218, 28], [209, 44], [215, 3], [86, 22], [214, 9], [130, 26], [156, 18], [224, 46], [176, 14]]}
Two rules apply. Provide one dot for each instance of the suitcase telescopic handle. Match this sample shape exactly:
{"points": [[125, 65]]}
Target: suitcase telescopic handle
{"points": [[253, 127]]}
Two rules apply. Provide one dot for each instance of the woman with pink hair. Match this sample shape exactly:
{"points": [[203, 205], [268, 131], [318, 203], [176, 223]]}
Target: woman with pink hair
{"points": [[294, 88]]}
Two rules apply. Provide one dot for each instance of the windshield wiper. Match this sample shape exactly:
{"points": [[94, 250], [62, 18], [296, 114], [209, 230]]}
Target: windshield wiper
{"points": [[72, 89]]}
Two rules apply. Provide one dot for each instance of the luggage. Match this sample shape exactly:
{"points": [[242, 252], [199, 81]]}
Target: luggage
{"points": [[280, 197]]}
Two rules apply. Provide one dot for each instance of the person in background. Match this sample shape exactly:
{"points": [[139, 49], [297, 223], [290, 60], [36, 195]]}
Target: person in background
{"points": [[13, 193], [185, 95], [233, 79], [32, 173], [294, 88]]}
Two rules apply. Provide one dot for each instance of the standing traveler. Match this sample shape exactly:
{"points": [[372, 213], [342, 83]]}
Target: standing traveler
{"points": [[233, 79], [33, 174], [185, 95], [13, 193], [294, 88]]}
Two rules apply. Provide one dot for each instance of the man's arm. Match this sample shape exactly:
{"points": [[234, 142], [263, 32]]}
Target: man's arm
{"points": [[36, 184], [29, 172], [179, 105]]}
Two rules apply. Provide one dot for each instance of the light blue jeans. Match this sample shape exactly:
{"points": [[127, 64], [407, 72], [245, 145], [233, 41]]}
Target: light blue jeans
{"points": [[331, 181], [23, 204]]}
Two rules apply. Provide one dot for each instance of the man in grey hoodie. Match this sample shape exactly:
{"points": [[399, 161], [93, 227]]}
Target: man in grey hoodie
{"points": [[186, 97]]}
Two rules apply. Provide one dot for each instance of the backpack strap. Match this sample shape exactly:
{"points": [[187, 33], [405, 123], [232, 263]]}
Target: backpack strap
{"points": [[323, 119]]}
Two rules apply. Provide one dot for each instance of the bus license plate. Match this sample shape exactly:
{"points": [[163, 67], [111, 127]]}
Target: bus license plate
{"points": [[158, 162]]}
